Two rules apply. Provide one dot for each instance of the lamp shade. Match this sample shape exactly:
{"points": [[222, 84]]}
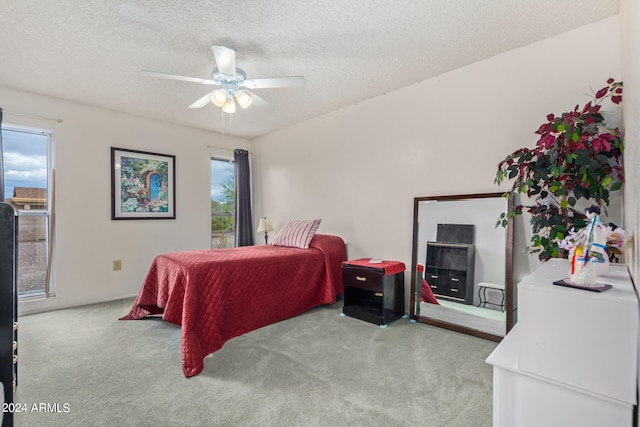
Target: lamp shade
{"points": [[243, 98], [229, 106], [265, 225], [219, 97]]}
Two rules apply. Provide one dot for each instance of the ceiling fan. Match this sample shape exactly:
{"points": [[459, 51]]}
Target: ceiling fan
{"points": [[232, 82]]}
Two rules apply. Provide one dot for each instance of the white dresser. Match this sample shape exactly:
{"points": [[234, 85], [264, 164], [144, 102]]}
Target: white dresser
{"points": [[572, 358]]}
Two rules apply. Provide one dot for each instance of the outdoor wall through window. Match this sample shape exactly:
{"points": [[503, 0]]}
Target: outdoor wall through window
{"points": [[27, 186], [223, 203]]}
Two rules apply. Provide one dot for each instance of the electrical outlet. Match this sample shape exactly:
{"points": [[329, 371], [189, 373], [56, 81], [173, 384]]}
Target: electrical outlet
{"points": [[117, 265]]}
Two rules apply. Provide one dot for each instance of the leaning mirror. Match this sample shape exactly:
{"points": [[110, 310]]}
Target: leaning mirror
{"points": [[462, 264]]}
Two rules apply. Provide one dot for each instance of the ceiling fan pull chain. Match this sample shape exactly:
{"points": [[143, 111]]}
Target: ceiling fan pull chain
{"points": [[222, 121]]}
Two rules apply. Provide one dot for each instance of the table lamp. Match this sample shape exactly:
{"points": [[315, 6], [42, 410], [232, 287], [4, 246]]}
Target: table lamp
{"points": [[265, 226]]}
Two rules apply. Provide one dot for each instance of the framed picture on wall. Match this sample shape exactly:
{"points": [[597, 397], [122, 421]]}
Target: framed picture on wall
{"points": [[143, 185]]}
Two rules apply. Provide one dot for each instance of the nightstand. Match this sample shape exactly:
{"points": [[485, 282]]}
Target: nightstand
{"points": [[373, 292]]}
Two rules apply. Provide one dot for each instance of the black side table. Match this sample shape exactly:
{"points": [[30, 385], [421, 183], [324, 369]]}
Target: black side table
{"points": [[373, 292]]}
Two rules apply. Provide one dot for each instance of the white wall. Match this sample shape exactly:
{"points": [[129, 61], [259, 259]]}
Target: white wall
{"points": [[359, 168], [630, 35], [86, 239], [630, 30]]}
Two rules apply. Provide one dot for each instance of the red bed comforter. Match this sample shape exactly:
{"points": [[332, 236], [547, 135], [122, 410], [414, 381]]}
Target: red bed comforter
{"points": [[215, 295]]}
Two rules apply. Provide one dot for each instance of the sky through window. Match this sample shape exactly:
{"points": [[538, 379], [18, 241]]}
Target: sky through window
{"points": [[25, 160]]}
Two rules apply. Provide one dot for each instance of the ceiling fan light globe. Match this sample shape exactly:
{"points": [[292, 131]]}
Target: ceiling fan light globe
{"points": [[219, 97], [229, 106], [244, 99]]}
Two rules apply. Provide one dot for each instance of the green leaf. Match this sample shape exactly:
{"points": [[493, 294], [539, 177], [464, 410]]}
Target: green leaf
{"points": [[615, 186], [572, 201], [564, 203], [575, 137], [557, 170]]}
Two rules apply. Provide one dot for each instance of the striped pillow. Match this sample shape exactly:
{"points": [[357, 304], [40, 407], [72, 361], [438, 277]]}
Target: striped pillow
{"points": [[297, 234]]}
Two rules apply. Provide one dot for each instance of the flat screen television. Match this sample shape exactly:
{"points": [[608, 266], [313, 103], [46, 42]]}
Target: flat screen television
{"points": [[456, 233], [447, 257]]}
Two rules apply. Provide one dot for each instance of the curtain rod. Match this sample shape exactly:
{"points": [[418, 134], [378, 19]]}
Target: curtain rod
{"points": [[32, 115], [225, 149]]}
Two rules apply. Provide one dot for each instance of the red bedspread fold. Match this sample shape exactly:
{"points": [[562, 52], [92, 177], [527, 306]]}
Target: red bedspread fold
{"points": [[216, 295]]}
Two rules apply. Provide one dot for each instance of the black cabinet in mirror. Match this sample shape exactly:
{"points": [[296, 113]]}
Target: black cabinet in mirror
{"points": [[449, 270]]}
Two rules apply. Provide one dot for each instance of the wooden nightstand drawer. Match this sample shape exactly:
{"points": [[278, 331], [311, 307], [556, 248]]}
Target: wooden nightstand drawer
{"points": [[362, 277]]}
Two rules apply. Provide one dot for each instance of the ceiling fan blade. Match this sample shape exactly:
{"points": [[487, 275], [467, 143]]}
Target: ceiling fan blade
{"points": [[272, 82], [202, 101], [177, 77], [258, 102], [225, 59]]}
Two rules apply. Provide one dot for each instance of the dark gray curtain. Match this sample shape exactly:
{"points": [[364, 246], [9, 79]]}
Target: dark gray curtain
{"points": [[1, 162], [244, 225]]}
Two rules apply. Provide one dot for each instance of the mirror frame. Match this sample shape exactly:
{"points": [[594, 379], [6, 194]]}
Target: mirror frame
{"points": [[509, 294]]}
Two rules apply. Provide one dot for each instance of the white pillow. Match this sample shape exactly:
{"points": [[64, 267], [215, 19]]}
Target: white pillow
{"points": [[297, 233]]}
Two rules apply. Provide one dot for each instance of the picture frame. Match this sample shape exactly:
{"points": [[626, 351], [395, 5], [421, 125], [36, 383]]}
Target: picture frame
{"points": [[142, 185]]}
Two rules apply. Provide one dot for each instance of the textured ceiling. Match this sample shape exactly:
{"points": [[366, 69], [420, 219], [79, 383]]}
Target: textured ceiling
{"points": [[91, 51]]}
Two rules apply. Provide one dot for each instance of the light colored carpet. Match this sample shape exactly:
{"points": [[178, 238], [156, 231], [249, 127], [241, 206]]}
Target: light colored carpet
{"points": [[317, 369]]}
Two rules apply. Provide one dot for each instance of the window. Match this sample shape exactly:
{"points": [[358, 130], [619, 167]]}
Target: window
{"points": [[27, 177], [223, 203]]}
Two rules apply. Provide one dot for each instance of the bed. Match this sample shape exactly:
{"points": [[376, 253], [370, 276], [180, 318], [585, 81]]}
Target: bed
{"points": [[218, 294]]}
